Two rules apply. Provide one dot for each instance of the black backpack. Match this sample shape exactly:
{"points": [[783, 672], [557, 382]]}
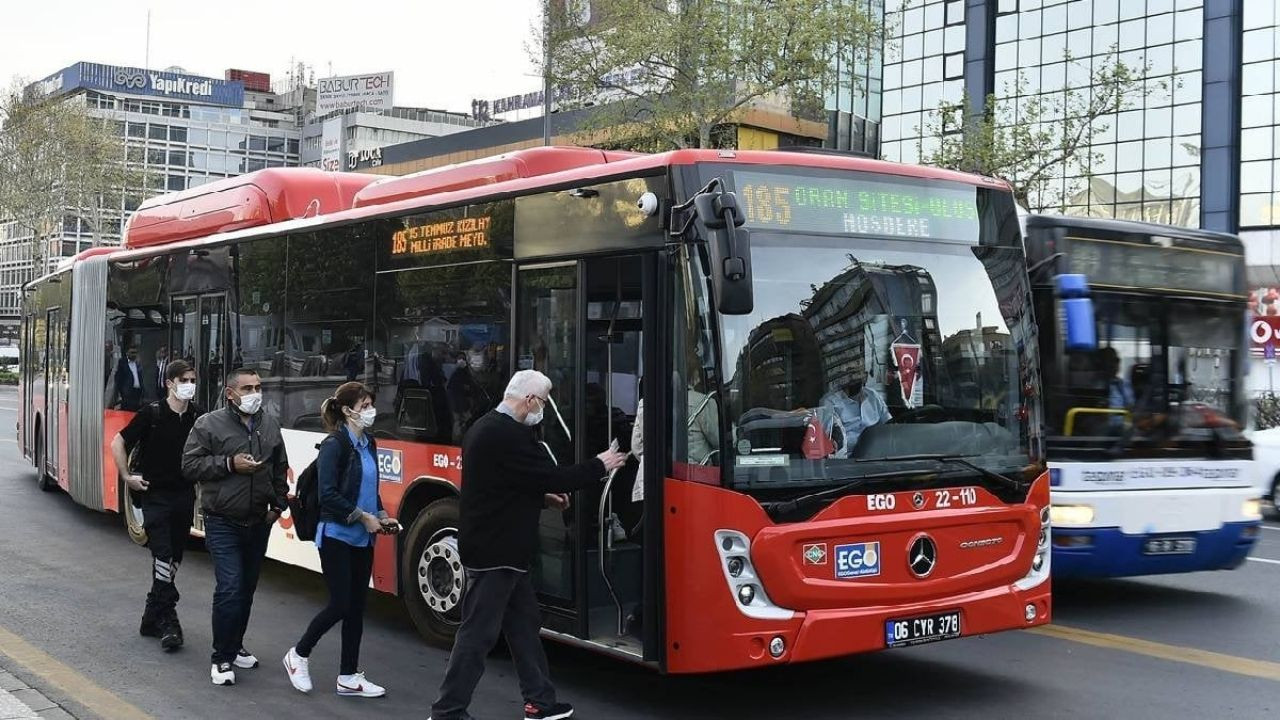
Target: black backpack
{"points": [[304, 506]]}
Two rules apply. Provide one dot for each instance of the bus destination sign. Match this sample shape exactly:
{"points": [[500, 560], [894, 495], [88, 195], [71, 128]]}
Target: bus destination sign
{"points": [[468, 233], [858, 204], [1123, 264]]}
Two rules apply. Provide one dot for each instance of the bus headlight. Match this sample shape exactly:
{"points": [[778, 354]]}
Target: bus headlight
{"points": [[1252, 509], [1041, 560], [748, 591], [1071, 514]]}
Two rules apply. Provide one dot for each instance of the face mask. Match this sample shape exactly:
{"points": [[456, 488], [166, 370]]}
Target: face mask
{"points": [[533, 418], [366, 417], [250, 404], [185, 391]]}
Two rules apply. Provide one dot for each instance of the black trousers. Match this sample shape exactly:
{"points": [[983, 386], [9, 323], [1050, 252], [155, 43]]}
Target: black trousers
{"points": [[166, 516], [346, 571], [496, 601]]}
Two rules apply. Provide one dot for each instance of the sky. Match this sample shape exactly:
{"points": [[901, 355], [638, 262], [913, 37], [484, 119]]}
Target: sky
{"points": [[444, 52]]}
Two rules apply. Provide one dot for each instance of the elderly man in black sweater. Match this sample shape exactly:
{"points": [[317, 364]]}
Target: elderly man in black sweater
{"points": [[507, 478]]}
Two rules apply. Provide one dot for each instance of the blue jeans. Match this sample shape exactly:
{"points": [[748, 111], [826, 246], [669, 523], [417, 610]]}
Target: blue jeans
{"points": [[237, 552]]}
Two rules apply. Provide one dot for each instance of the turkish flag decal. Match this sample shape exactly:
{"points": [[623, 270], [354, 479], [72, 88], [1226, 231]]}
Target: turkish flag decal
{"points": [[907, 357]]}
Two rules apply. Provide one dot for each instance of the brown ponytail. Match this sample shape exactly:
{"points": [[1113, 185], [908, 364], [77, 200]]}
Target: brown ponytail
{"points": [[348, 395]]}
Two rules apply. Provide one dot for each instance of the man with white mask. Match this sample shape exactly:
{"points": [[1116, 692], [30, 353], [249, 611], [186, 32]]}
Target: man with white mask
{"points": [[507, 478], [156, 435], [237, 455]]}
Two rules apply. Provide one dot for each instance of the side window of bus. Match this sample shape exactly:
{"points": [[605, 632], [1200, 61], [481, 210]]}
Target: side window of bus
{"points": [[257, 316], [137, 333], [442, 348], [328, 306], [695, 412]]}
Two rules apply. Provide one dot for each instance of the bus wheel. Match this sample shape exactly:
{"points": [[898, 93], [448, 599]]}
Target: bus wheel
{"points": [[432, 572], [132, 516], [43, 479]]}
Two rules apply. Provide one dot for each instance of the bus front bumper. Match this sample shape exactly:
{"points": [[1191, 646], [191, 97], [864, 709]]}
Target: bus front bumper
{"points": [[1110, 552]]}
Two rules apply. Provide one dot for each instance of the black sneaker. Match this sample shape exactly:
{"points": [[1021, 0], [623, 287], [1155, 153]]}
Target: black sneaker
{"points": [[559, 711], [171, 636]]}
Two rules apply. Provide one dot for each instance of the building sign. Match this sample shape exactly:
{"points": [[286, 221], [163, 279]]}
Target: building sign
{"points": [[1264, 334], [357, 160], [1156, 267], [368, 92], [331, 145], [858, 204], [136, 81], [468, 233]]}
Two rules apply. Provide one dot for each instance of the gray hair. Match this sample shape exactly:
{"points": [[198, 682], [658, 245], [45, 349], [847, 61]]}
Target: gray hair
{"points": [[527, 382]]}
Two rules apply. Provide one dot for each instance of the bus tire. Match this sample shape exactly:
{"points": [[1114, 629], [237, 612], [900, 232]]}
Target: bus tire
{"points": [[132, 516], [43, 479], [1275, 496], [433, 579]]}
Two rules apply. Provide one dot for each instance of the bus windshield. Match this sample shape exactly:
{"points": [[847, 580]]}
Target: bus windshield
{"points": [[1153, 357], [862, 349]]}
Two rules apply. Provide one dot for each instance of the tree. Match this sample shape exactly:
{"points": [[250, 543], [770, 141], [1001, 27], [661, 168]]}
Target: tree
{"points": [[57, 161], [671, 73], [1032, 141]]}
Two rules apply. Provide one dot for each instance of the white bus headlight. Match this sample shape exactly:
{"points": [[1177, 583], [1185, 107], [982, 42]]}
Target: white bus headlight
{"points": [[1252, 509], [1071, 514]]}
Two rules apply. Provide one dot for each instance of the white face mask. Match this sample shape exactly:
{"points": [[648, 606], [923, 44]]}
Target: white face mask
{"points": [[533, 418], [365, 417], [250, 404], [185, 391]]}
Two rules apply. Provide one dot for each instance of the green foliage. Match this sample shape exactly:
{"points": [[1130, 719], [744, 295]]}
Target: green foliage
{"points": [[1266, 410], [692, 66], [1032, 141], [57, 159]]}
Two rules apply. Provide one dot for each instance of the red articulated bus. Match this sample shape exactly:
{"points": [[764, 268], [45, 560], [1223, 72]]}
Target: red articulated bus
{"points": [[828, 365]]}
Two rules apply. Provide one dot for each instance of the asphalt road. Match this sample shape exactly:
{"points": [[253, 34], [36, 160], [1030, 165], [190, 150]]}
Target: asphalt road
{"points": [[71, 588]]}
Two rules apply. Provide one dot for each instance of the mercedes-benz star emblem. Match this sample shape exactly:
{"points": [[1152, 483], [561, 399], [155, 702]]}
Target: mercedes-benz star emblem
{"points": [[917, 500], [922, 556]]}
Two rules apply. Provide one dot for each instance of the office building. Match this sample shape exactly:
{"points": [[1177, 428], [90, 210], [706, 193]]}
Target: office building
{"points": [[179, 130]]}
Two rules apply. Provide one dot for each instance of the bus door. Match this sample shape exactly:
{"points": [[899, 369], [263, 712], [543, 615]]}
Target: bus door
{"points": [[198, 335], [547, 340], [54, 344], [612, 316]]}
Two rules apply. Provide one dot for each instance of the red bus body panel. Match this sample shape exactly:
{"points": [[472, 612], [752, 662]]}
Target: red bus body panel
{"points": [[833, 617], [258, 198]]}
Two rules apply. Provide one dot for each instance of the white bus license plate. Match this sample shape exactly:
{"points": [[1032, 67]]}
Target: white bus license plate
{"points": [[920, 630], [1169, 546]]}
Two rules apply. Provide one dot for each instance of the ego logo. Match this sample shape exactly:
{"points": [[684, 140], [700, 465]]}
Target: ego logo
{"points": [[857, 560], [390, 465]]}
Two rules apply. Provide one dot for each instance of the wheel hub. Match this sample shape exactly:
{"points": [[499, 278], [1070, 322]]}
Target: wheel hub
{"points": [[441, 577]]}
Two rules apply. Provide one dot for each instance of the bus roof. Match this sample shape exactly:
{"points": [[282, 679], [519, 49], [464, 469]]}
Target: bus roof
{"points": [[1131, 227], [258, 198], [248, 205]]}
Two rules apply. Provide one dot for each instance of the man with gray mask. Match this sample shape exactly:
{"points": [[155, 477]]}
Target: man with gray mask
{"points": [[237, 455], [507, 478]]}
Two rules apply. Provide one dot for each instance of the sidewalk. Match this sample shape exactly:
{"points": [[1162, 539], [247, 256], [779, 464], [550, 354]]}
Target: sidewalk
{"points": [[18, 701]]}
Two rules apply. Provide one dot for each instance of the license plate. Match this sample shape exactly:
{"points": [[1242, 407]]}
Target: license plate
{"points": [[920, 630], [1169, 546]]}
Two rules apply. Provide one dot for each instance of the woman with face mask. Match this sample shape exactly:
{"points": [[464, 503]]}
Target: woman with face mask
{"points": [[351, 516]]}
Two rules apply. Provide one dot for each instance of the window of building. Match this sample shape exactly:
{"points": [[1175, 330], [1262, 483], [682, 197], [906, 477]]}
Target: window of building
{"points": [[257, 142], [178, 158], [176, 182], [177, 134], [155, 156], [276, 144], [157, 132], [137, 130]]}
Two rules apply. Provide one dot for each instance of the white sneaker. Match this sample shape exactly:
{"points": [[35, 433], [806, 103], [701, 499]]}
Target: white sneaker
{"points": [[299, 672], [245, 659], [357, 686], [222, 674]]}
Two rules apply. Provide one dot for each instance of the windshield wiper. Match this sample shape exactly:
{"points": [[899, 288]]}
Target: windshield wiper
{"points": [[961, 460]]}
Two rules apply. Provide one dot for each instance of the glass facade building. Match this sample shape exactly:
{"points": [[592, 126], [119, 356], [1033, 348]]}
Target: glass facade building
{"points": [[179, 131]]}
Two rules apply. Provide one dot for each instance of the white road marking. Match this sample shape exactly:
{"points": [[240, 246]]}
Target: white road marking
{"points": [[1272, 528], [1265, 560]]}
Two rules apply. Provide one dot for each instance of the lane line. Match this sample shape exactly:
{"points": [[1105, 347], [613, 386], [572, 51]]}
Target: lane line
{"points": [[78, 687], [1173, 653], [1272, 528], [1264, 560]]}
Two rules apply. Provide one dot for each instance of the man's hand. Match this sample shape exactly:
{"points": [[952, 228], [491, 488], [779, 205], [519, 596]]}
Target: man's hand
{"points": [[557, 501], [136, 483], [272, 517], [612, 459], [244, 464]]}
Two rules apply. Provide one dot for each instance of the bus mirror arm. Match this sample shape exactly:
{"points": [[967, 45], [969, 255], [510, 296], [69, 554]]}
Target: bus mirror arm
{"points": [[718, 212]]}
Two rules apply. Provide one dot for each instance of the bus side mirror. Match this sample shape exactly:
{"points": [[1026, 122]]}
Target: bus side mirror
{"points": [[1077, 313], [730, 250]]}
